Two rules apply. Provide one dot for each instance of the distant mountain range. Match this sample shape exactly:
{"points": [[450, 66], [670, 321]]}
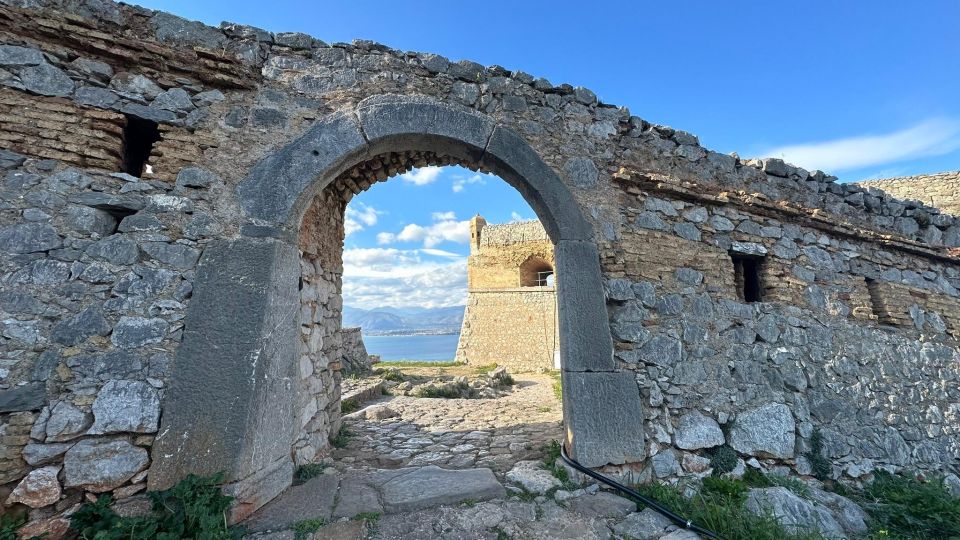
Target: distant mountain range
{"points": [[404, 320]]}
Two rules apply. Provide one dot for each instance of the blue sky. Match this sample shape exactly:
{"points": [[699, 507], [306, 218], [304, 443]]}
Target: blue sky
{"points": [[862, 89]]}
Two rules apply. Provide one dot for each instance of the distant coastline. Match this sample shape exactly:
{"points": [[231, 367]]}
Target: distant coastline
{"points": [[410, 332]]}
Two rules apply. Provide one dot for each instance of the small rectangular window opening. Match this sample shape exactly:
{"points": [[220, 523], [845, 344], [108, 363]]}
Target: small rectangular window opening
{"points": [[138, 137], [545, 278], [746, 271]]}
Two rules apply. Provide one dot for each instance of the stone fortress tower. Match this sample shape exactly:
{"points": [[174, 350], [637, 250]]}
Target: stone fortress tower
{"points": [[511, 312]]}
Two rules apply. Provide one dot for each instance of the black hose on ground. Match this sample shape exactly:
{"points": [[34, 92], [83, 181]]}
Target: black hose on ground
{"points": [[676, 518]]}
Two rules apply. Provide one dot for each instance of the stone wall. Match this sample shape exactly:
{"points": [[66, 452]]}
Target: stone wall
{"points": [[514, 328], [941, 190], [505, 323], [355, 356], [853, 336]]}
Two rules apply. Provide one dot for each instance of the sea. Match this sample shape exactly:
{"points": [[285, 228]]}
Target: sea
{"points": [[424, 348]]}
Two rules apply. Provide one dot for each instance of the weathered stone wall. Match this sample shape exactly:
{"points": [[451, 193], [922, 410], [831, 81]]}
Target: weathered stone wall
{"points": [[98, 268], [495, 263], [505, 323], [515, 328], [355, 356], [941, 190]]}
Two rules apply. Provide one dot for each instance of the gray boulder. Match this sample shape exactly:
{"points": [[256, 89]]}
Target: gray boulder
{"points": [[696, 430], [766, 431], [115, 249], [797, 515], [532, 477], [46, 80], [645, 525], [126, 406], [100, 466], [76, 329], [66, 422], [133, 332], [29, 238]]}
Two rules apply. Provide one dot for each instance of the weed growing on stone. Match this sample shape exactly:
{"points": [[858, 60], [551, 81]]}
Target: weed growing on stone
{"points": [[469, 503], [342, 438], [558, 471], [481, 370], [719, 506], [308, 471], [194, 508], [723, 460], [9, 525], [906, 507], [305, 527], [501, 534], [819, 465], [369, 517], [557, 385], [431, 391], [544, 409], [347, 407]]}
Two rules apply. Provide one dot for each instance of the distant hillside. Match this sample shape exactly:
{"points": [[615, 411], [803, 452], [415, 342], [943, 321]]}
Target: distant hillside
{"points": [[405, 320]]}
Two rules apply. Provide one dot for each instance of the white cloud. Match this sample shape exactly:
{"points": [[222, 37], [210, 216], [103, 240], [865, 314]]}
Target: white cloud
{"points": [[422, 176], [441, 253], [461, 182], [933, 137], [376, 277], [444, 229], [443, 216], [358, 216], [516, 216]]}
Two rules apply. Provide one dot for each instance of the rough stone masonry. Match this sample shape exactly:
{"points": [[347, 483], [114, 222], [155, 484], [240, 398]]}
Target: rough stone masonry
{"points": [[511, 314], [171, 223]]}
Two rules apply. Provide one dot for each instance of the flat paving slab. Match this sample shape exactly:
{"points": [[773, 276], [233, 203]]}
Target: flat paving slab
{"points": [[312, 499], [432, 486]]}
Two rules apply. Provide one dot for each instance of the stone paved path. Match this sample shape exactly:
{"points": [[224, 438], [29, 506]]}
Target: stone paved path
{"points": [[454, 433]]}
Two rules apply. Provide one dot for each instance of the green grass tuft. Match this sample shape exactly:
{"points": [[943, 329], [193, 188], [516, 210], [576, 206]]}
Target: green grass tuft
{"points": [[819, 465], [909, 508], [342, 438], [719, 506], [557, 385], [347, 407], [486, 368], [369, 517], [305, 527]]}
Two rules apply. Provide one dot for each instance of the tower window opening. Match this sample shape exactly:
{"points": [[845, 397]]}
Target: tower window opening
{"points": [[746, 275], [139, 135]]}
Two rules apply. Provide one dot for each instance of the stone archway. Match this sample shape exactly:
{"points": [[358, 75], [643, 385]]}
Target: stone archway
{"points": [[230, 403]]}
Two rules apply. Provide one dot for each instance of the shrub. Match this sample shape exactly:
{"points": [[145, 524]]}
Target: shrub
{"points": [[723, 460], [347, 407], [9, 525], [308, 471], [194, 508], [909, 508]]}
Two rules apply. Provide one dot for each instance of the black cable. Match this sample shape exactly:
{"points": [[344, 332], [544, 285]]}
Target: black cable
{"points": [[676, 518]]}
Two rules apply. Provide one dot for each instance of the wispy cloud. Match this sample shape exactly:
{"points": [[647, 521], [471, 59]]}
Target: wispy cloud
{"points": [[461, 182], [933, 137], [422, 176], [358, 216]]}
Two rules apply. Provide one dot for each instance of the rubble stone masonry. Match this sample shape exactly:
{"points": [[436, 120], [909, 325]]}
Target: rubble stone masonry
{"points": [[747, 302]]}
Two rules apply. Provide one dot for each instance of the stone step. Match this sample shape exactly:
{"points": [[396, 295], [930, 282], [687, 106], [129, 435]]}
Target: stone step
{"points": [[379, 491]]}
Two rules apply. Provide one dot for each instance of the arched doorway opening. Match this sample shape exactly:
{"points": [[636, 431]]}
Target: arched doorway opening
{"points": [[233, 400]]}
